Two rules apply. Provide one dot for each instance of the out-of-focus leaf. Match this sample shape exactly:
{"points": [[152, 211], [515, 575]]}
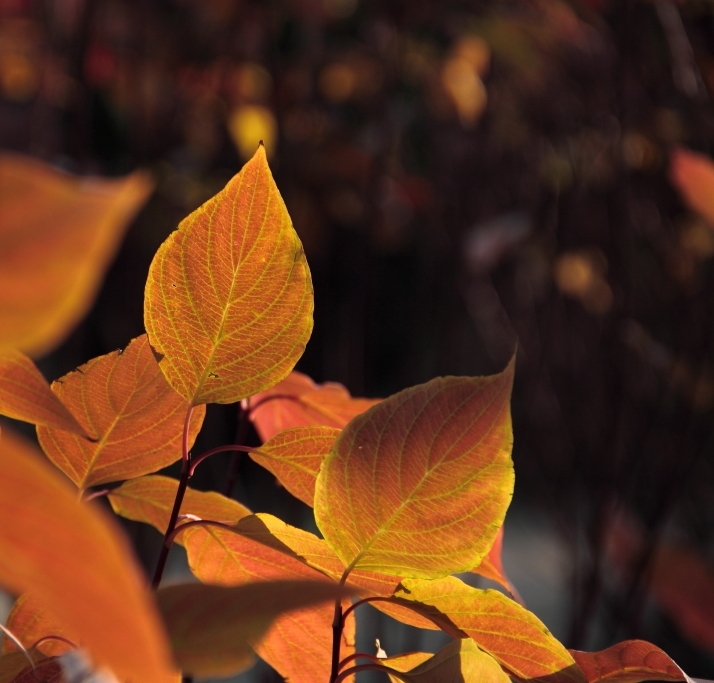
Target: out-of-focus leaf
{"points": [[512, 635], [124, 400], [58, 234], [299, 644], [631, 661], [419, 485], [47, 670], [228, 305], [213, 628], [460, 660], [150, 500], [25, 394], [491, 567], [68, 553], [30, 621], [298, 402], [294, 456], [250, 125], [13, 663], [693, 175]]}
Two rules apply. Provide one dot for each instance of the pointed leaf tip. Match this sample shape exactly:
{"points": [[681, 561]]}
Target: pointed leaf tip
{"points": [[229, 298]]}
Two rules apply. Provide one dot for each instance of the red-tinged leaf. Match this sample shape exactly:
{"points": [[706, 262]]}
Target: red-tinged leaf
{"points": [[294, 456], [25, 394], [693, 175], [68, 553], [299, 644], [491, 567], [213, 628], [229, 301], [58, 235], [29, 621], [460, 661], [313, 551], [512, 635], [13, 663], [47, 671], [298, 402], [150, 500], [631, 661], [124, 400], [419, 485]]}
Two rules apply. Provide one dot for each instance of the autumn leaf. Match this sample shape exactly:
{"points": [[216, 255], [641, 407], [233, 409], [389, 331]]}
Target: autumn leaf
{"points": [[419, 485], [460, 660], [491, 567], [298, 402], [512, 635], [693, 175], [151, 499], [25, 395], [13, 663], [67, 553], [294, 456], [299, 644], [212, 628], [631, 661], [58, 234], [228, 304], [14, 668], [123, 399], [29, 621]]}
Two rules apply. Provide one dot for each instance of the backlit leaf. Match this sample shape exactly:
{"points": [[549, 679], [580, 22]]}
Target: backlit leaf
{"points": [[68, 553], [298, 402], [693, 175], [212, 628], [631, 661], [58, 234], [299, 644], [460, 661], [228, 303], [491, 567], [123, 399], [30, 621], [47, 670], [150, 500], [294, 456], [25, 394], [512, 635], [419, 485]]}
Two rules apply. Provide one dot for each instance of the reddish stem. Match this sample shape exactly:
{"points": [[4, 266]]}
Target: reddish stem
{"points": [[97, 494], [364, 601], [358, 655], [180, 492], [60, 638], [196, 522], [220, 449], [367, 667]]}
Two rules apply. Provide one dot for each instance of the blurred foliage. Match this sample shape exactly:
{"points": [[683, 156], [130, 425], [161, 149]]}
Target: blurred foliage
{"points": [[465, 175]]}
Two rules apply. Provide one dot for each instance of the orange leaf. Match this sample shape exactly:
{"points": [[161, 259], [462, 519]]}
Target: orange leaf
{"points": [[58, 235], [693, 175], [460, 660], [429, 470], [294, 456], [150, 500], [298, 402], [212, 628], [124, 399], [68, 554], [631, 661], [299, 644], [228, 303], [29, 621], [512, 635], [491, 567], [25, 394]]}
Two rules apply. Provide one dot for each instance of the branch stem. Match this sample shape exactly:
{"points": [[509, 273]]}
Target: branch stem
{"points": [[364, 601], [220, 449], [367, 667], [357, 655]]}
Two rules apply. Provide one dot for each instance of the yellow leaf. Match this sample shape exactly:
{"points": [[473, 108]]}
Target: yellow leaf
{"points": [[228, 305], [251, 124], [58, 234]]}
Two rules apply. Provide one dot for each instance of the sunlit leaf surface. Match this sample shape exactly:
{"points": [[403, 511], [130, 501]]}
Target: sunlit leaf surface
{"points": [[58, 234], [124, 400], [212, 628], [491, 566], [30, 621], [419, 485], [693, 175], [298, 402], [512, 635], [150, 499], [228, 305], [68, 553], [25, 394]]}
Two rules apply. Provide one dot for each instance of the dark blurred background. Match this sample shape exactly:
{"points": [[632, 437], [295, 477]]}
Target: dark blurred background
{"points": [[466, 176]]}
